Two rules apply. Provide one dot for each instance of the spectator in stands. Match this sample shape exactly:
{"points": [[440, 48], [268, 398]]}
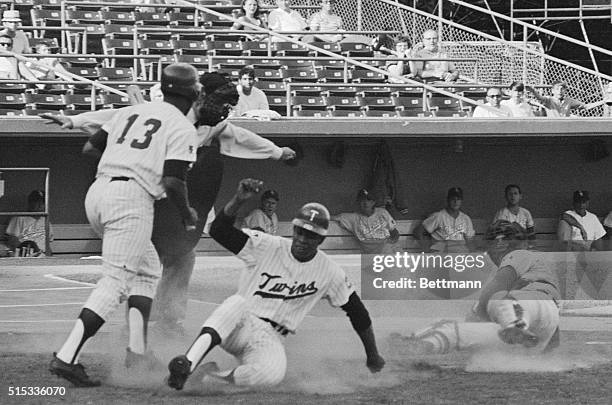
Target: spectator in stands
{"points": [[29, 71], [11, 22], [383, 44], [514, 213], [326, 20], [28, 232], [251, 13], [607, 100], [8, 64], [374, 227], [450, 229], [517, 104], [433, 70], [264, 218], [402, 68], [283, 19], [251, 98], [496, 110], [580, 229], [557, 105]]}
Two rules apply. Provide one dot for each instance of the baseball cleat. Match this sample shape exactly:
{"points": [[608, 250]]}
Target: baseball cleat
{"points": [[180, 368], [518, 335], [145, 362], [75, 373]]}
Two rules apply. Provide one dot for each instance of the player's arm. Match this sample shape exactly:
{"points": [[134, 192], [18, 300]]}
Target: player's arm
{"points": [[241, 143], [361, 322], [571, 221], [504, 279], [96, 144], [222, 229], [173, 181]]}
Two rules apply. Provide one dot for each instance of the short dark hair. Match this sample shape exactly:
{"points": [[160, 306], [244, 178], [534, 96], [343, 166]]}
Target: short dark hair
{"points": [[247, 70], [518, 86], [36, 196], [405, 39], [511, 186]]}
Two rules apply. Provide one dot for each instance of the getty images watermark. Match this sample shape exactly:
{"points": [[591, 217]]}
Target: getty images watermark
{"points": [[424, 276]]}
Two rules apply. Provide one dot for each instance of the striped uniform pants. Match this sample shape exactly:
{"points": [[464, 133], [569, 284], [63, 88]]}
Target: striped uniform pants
{"points": [[254, 342], [121, 212]]}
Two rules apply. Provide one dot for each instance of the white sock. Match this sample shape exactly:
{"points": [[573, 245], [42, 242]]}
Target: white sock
{"points": [[136, 326], [68, 350], [198, 349]]}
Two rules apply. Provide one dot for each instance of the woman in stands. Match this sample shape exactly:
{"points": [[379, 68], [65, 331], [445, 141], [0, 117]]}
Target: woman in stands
{"points": [[517, 104], [251, 14]]}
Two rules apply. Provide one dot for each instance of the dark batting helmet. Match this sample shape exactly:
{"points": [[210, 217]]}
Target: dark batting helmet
{"points": [[180, 79], [313, 217]]}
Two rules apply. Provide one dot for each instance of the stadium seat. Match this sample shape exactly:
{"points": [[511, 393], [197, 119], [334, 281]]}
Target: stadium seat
{"points": [[223, 48], [414, 113], [182, 19], [409, 103], [268, 74], [115, 100], [215, 22], [88, 73], [310, 113], [449, 113], [155, 47], [116, 74], [84, 17], [296, 63], [45, 101], [117, 17], [328, 46], [46, 18], [198, 35], [254, 48], [264, 63], [47, 4], [346, 113], [367, 76], [439, 102], [150, 19], [289, 49], [301, 90], [375, 91], [278, 104], [344, 91], [189, 47], [478, 95], [199, 61], [82, 102], [8, 112], [118, 31], [355, 49], [272, 88], [52, 43], [332, 64], [332, 76], [113, 47], [380, 113], [342, 102], [229, 63], [95, 32], [376, 103], [303, 74], [408, 91], [16, 88], [226, 37], [12, 101], [80, 62], [308, 103]]}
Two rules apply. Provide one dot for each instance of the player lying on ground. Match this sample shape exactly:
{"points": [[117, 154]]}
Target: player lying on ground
{"points": [[284, 280], [519, 306], [217, 136], [144, 152]]}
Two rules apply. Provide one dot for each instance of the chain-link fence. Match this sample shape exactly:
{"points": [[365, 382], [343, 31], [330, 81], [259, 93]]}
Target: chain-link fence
{"points": [[498, 63]]}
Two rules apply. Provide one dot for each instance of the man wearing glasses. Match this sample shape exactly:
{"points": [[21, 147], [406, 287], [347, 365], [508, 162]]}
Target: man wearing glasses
{"points": [[8, 64], [495, 110], [432, 71]]}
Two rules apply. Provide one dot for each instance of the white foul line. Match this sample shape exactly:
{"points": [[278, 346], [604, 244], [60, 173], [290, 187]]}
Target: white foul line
{"points": [[598, 343], [41, 305], [48, 289], [53, 277], [41, 321]]}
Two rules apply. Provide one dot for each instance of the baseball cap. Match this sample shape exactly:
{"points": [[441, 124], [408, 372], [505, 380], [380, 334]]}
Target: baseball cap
{"points": [[211, 81], [11, 16], [454, 192], [36, 196], [364, 194], [581, 196], [270, 194], [313, 217]]}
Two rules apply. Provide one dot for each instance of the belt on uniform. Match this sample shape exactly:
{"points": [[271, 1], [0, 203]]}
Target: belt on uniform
{"points": [[277, 327], [119, 178]]}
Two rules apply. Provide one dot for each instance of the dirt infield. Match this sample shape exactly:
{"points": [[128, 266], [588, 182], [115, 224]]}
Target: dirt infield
{"points": [[38, 305]]}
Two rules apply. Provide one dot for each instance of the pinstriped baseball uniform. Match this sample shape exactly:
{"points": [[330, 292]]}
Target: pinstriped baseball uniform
{"points": [[279, 288], [119, 204]]}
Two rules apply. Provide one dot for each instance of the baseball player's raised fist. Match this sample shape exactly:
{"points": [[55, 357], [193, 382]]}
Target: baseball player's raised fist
{"points": [[288, 153], [63, 121], [247, 188], [375, 363]]}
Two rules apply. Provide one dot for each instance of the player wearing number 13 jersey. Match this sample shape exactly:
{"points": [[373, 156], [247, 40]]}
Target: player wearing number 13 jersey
{"points": [[145, 152]]}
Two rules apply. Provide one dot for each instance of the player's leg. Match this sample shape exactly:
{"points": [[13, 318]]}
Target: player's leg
{"points": [[170, 304], [447, 336], [217, 327]]}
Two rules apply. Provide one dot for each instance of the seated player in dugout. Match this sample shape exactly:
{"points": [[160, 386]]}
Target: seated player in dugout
{"points": [[374, 227], [517, 311], [580, 229], [448, 230], [26, 233], [283, 280], [264, 218]]}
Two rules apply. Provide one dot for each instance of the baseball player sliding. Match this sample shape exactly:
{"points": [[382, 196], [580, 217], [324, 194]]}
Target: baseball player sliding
{"points": [[145, 152], [284, 279], [216, 136], [517, 307]]}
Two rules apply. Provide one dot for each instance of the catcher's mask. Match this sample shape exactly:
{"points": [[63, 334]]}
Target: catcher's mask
{"points": [[214, 107]]}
